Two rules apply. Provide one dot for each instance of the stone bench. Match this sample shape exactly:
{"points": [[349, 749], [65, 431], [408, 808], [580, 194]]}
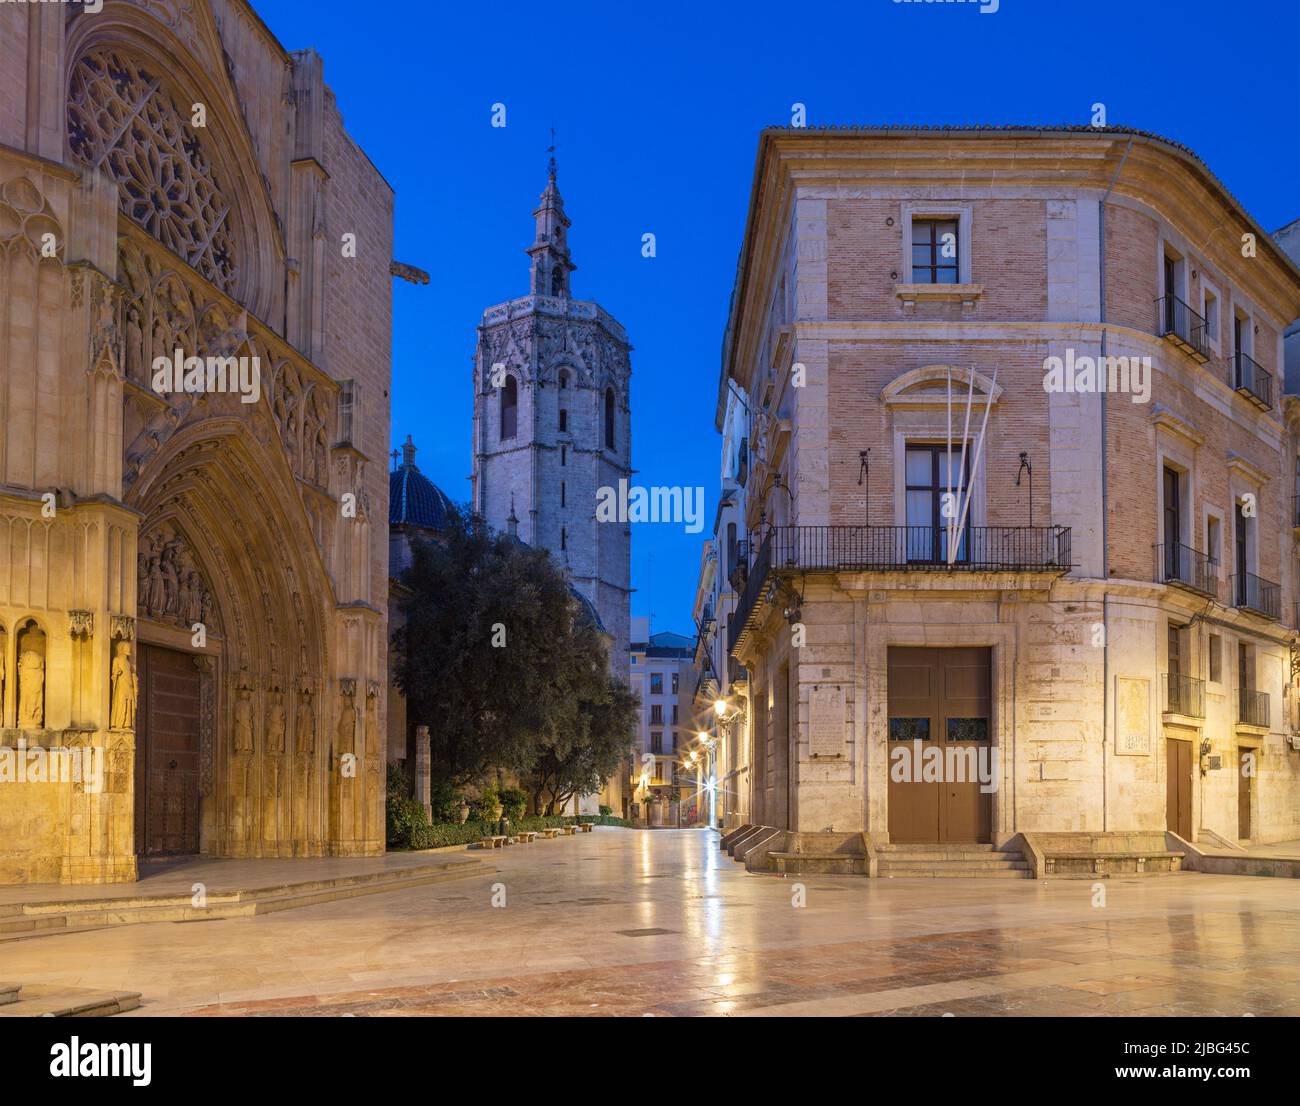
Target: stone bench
{"points": [[586, 827], [1085, 855], [568, 831], [527, 837], [493, 842], [550, 834]]}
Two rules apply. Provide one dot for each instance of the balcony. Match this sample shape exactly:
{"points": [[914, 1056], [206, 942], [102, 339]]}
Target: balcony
{"points": [[1181, 326], [737, 676], [802, 549], [1184, 695], [1257, 595], [1185, 567], [1252, 708], [1250, 380]]}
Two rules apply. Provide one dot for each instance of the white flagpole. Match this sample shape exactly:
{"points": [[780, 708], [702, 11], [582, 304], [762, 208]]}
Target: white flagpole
{"points": [[979, 449], [947, 459], [954, 535]]}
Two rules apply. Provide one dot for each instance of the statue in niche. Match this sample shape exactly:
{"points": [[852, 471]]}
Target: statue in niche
{"points": [[304, 725], [171, 578], [276, 721], [134, 345], [311, 423], [347, 735], [185, 594], [31, 689], [124, 689], [244, 721]]}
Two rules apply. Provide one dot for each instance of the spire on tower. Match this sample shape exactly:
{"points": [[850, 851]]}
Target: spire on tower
{"points": [[550, 249]]}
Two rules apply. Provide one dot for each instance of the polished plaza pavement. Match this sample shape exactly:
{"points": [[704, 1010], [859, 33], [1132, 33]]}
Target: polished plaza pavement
{"points": [[659, 923]]}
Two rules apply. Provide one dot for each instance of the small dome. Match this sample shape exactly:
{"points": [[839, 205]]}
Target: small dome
{"points": [[587, 610], [414, 499]]}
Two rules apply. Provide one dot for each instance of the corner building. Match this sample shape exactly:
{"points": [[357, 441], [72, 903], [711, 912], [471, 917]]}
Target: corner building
{"points": [[131, 228], [1119, 624]]}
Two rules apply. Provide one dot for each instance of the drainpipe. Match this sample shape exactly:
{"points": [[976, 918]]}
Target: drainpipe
{"points": [[1105, 500]]}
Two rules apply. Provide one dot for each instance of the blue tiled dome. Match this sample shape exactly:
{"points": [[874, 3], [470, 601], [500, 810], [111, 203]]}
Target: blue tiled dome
{"points": [[414, 499]]}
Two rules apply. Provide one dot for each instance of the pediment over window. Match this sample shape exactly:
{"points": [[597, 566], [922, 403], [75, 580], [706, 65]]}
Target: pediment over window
{"points": [[928, 387]]}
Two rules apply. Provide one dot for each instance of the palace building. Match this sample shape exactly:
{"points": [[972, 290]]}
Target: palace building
{"points": [[193, 582], [1081, 584]]}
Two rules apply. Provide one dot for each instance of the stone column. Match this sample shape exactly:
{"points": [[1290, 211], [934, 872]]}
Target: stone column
{"points": [[423, 766]]}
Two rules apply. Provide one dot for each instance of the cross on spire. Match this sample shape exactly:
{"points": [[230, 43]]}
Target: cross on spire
{"points": [[551, 150]]}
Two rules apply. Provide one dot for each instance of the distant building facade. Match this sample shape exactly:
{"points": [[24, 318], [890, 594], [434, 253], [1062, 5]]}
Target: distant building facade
{"points": [[663, 678]]}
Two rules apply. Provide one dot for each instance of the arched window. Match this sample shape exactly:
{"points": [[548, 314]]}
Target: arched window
{"points": [[564, 420], [609, 418], [557, 281], [509, 408], [564, 378]]}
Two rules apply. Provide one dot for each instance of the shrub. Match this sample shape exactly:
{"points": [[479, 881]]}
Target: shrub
{"points": [[513, 802], [606, 811], [445, 801]]}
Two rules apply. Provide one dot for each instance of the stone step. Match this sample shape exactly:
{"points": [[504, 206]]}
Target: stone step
{"points": [[53, 1001], [955, 847], [919, 871], [9, 993], [937, 856], [956, 865], [46, 918]]}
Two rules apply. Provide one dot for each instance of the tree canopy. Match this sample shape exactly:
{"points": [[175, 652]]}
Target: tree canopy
{"points": [[497, 656]]}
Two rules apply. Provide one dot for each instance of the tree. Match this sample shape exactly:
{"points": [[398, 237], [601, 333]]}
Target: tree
{"points": [[592, 744], [498, 657]]}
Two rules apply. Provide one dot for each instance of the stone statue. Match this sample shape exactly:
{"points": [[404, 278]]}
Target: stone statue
{"points": [[171, 578], [157, 603], [31, 690], [244, 721], [125, 689], [275, 726], [194, 608], [304, 725], [347, 735], [134, 346]]}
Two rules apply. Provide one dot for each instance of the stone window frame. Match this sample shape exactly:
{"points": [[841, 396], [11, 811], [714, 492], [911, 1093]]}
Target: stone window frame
{"points": [[1210, 288], [1181, 459], [962, 211], [924, 434], [1212, 511]]}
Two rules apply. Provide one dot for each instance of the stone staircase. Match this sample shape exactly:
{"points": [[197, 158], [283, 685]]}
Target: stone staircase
{"points": [[24, 920], [42, 1001], [963, 861]]}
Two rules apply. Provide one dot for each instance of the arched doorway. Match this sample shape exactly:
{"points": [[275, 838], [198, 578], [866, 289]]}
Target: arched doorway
{"points": [[232, 741]]}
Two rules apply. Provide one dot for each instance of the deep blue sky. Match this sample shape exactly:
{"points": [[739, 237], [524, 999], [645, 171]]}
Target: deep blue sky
{"points": [[657, 116]]}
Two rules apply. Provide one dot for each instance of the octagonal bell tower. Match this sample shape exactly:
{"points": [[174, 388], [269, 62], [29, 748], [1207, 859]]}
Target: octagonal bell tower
{"points": [[552, 423]]}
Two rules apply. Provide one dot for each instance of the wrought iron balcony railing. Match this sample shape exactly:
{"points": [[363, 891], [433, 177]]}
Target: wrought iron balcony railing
{"points": [[899, 548], [1253, 593], [1179, 324], [1251, 380], [1186, 567], [1252, 707], [1184, 695]]}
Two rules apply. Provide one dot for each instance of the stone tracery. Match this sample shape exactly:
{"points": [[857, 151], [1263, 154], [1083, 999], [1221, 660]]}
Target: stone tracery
{"points": [[123, 119]]}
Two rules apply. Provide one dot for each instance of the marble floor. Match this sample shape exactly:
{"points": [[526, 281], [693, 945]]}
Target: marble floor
{"points": [[626, 922]]}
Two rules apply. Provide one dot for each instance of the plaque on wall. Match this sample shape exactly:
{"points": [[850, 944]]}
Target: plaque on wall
{"points": [[826, 722], [1132, 716]]}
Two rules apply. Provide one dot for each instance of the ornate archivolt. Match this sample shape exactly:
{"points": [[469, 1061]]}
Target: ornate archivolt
{"points": [[124, 120]]}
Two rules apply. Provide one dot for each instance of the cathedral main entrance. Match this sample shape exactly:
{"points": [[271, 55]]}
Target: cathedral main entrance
{"points": [[167, 754]]}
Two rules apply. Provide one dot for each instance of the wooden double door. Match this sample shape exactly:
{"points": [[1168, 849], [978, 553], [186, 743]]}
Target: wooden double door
{"points": [[940, 703], [167, 754], [1178, 787]]}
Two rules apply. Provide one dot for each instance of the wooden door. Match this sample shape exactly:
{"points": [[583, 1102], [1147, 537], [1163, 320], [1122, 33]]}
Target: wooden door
{"points": [[1246, 760], [940, 708], [167, 754], [1178, 787]]}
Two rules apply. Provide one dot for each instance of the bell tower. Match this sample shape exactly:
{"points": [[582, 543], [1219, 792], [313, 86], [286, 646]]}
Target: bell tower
{"points": [[552, 423]]}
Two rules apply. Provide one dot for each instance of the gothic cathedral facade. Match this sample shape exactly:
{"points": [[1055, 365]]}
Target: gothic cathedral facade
{"points": [[191, 590], [552, 425]]}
